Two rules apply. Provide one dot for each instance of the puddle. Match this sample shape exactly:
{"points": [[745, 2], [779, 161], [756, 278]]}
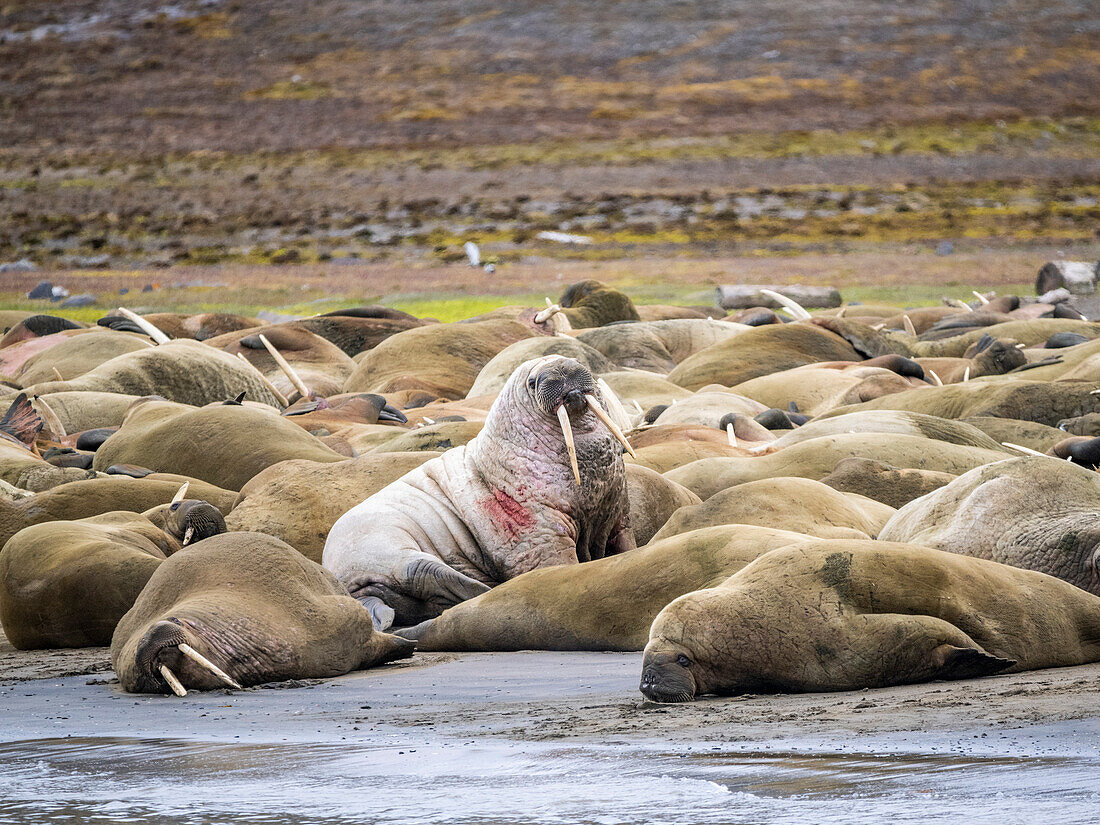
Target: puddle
{"points": [[124, 780]]}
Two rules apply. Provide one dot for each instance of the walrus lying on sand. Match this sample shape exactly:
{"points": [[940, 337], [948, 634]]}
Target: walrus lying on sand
{"points": [[842, 615], [243, 609], [542, 484]]}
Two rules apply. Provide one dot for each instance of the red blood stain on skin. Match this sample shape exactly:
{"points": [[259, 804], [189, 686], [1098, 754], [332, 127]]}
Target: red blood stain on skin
{"points": [[508, 513]]}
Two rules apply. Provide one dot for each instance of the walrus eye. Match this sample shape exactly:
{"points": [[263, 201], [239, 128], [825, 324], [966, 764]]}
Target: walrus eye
{"points": [[532, 381], [683, 661], [175, 506]]}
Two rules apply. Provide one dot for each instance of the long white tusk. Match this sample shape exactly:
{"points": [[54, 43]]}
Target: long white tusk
{"points": [[935, 378], [194, 655], [877, 327], [271, 387], [966, 374], [173, 682], [731, 435], [637, 406], [546, 314], [567, 433], [908, 322], [759, 448], [1021, 346], [614, 405], [979, 296], [960, 304], [796, 309], [180, 493], [299, 385], [594, 405], [841, 311], [148, 328], [57, 373], [50, 417], [187, 534], [1026, 450]]}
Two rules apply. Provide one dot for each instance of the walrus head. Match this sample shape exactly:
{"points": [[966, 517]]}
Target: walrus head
{"points": [[666, 673], [563, 389], [192, 520]]}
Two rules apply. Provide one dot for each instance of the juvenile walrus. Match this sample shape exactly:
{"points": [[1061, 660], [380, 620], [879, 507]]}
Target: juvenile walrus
{"points": [[843, 614], [243, 609], [543, 483]]}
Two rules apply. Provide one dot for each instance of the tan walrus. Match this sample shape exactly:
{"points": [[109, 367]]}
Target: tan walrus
{"points": [[843, 614], [243, 609]]}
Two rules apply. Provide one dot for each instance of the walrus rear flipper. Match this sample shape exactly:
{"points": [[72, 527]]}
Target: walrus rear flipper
{"points": [[21, 421], [966, 663], [415, 632]]}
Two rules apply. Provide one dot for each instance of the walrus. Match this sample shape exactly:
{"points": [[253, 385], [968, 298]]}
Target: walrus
{"points": [[543, 483], [843, 615], [607, 604], [243, 609]]}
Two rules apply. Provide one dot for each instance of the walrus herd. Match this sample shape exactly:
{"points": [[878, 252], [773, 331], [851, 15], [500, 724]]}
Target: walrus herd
{"points": [[852, 498]]}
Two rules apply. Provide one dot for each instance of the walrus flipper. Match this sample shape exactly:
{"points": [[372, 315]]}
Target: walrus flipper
{"points": [[381, 614], [967, 662], [431, 580], [21, 421]]}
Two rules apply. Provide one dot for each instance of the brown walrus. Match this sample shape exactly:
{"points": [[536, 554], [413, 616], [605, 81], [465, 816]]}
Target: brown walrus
{"points": [[844, 614], [243, 609]]}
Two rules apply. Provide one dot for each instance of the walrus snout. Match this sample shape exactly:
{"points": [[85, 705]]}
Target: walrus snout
{"points": [[666, 677], [166, 658], [193, 520], [565, 381]]}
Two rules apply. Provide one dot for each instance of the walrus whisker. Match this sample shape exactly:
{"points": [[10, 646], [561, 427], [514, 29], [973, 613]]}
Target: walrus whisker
{"points": [[594, 405], [284, 365], [148, 328], [567, 433], [50, 417], [199, 659], [979, 296], [1025, 450], [935, 378], [175, 684], [180, 493], [731, 435], [909, 328], [796, 309], [187, 534], [282, 399]]}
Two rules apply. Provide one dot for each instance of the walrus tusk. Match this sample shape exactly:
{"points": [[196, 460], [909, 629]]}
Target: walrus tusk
{"points": [[544, 315], [796, 309], [274, 390], [1022, 449], [731, 435], [841, 311], [198, 658], [614, 405], [57, 373], [594, 405], [979, 296], [173, 682], [567, 433], [50, 417], [954, 302], [909, 328], [935, 378], [180, 493], [299, 385], [877, 327], [150, 330], [966, 375], [187, 534]]}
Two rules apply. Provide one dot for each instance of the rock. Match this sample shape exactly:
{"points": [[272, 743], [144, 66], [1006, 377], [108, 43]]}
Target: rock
{"points": [[945, 248], [44, 289], [1079, 277], [147, 288], [90, 261], [22, 265], [743, 296], [85, 299]]}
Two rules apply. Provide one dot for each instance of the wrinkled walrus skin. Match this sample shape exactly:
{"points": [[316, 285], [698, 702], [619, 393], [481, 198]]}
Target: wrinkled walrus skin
{"points": [[847, 614], [255, 607], [501, 505]]}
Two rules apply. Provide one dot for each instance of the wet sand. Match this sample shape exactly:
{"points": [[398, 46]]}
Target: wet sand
{"points": [[549, 737]]}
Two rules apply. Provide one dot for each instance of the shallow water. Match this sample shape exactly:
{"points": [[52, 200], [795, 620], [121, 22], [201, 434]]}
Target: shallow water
{"points": [[134, 780]]}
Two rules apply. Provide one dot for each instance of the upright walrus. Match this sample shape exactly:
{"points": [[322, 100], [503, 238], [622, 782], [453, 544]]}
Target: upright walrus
{"points": [[844, 614], [542, 484]]}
